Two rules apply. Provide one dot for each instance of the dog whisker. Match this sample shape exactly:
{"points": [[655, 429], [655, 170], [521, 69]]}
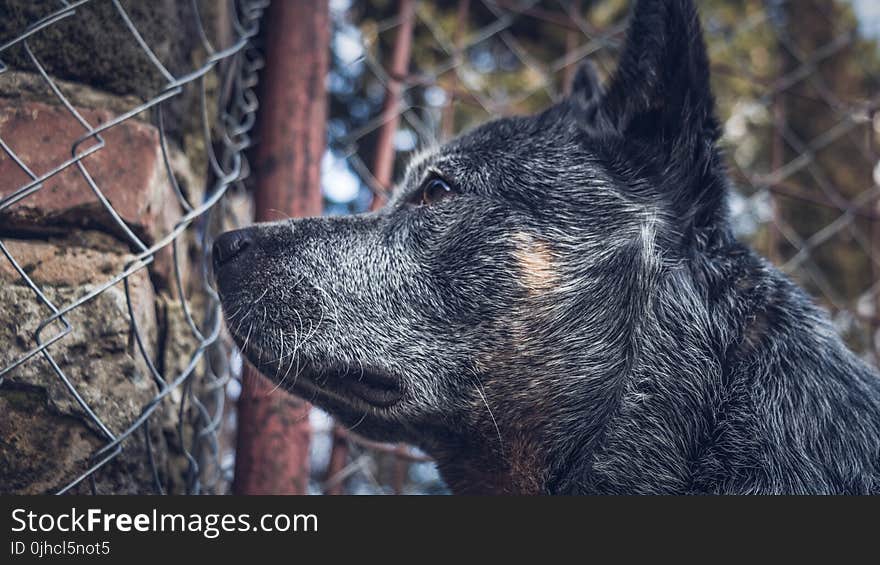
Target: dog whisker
{"points": [[359, 422], [284, 378], [482, 393]]}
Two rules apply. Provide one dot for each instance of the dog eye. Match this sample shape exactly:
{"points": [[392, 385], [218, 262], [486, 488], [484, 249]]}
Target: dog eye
{"points": [[434, 190]]}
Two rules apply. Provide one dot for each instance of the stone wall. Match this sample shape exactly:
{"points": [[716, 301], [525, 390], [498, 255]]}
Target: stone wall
{"points": [[69, 245]]}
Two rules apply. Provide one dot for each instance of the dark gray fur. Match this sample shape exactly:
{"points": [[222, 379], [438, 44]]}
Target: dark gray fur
{"points": [[578, 318]]}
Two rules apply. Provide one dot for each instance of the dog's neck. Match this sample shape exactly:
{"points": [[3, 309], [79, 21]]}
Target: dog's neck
{"points": [[520, 469], [608, 440]]}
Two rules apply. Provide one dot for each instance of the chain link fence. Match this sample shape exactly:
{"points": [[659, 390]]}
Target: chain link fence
{"points": [[101, 391], [797, 90]]}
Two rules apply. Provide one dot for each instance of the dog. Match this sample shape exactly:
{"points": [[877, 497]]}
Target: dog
{"points": [[557, 304]]}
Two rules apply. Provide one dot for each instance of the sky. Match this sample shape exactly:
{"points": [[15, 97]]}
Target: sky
{"points": [[868, 12]]}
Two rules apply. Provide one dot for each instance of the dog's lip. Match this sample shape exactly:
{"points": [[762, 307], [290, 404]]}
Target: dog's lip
{"points": [[376, 388]]}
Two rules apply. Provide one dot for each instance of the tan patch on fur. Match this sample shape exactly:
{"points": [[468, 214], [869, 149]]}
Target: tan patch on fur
{"points": [[535, 260]]}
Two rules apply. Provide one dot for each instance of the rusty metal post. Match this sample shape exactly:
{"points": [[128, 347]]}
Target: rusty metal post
{"points": [[447, 122], [400, 469], [383, 171], [777, 160], [383, 166], [338, 456], [273, 429]]}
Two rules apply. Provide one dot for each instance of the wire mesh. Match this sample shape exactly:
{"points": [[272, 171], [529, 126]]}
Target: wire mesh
{"points": [[218, 90], [796, 85]]}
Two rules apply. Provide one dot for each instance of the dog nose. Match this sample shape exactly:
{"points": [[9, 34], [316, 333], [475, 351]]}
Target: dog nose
{"points": [[229, 246]]}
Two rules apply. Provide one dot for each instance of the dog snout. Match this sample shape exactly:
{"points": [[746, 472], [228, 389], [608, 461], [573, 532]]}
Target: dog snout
{"points": [[230, 246]]}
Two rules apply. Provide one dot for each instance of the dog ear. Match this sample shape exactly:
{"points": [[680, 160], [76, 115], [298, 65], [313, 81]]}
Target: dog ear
{"points": [[661, 85], [660, 103]]}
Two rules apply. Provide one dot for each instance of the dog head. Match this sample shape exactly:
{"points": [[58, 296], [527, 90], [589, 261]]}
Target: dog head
{"points": [[495, 299]]}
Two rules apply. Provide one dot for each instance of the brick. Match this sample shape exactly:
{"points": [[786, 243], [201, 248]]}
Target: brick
{"points": [[128, 171], [60, 264]]}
